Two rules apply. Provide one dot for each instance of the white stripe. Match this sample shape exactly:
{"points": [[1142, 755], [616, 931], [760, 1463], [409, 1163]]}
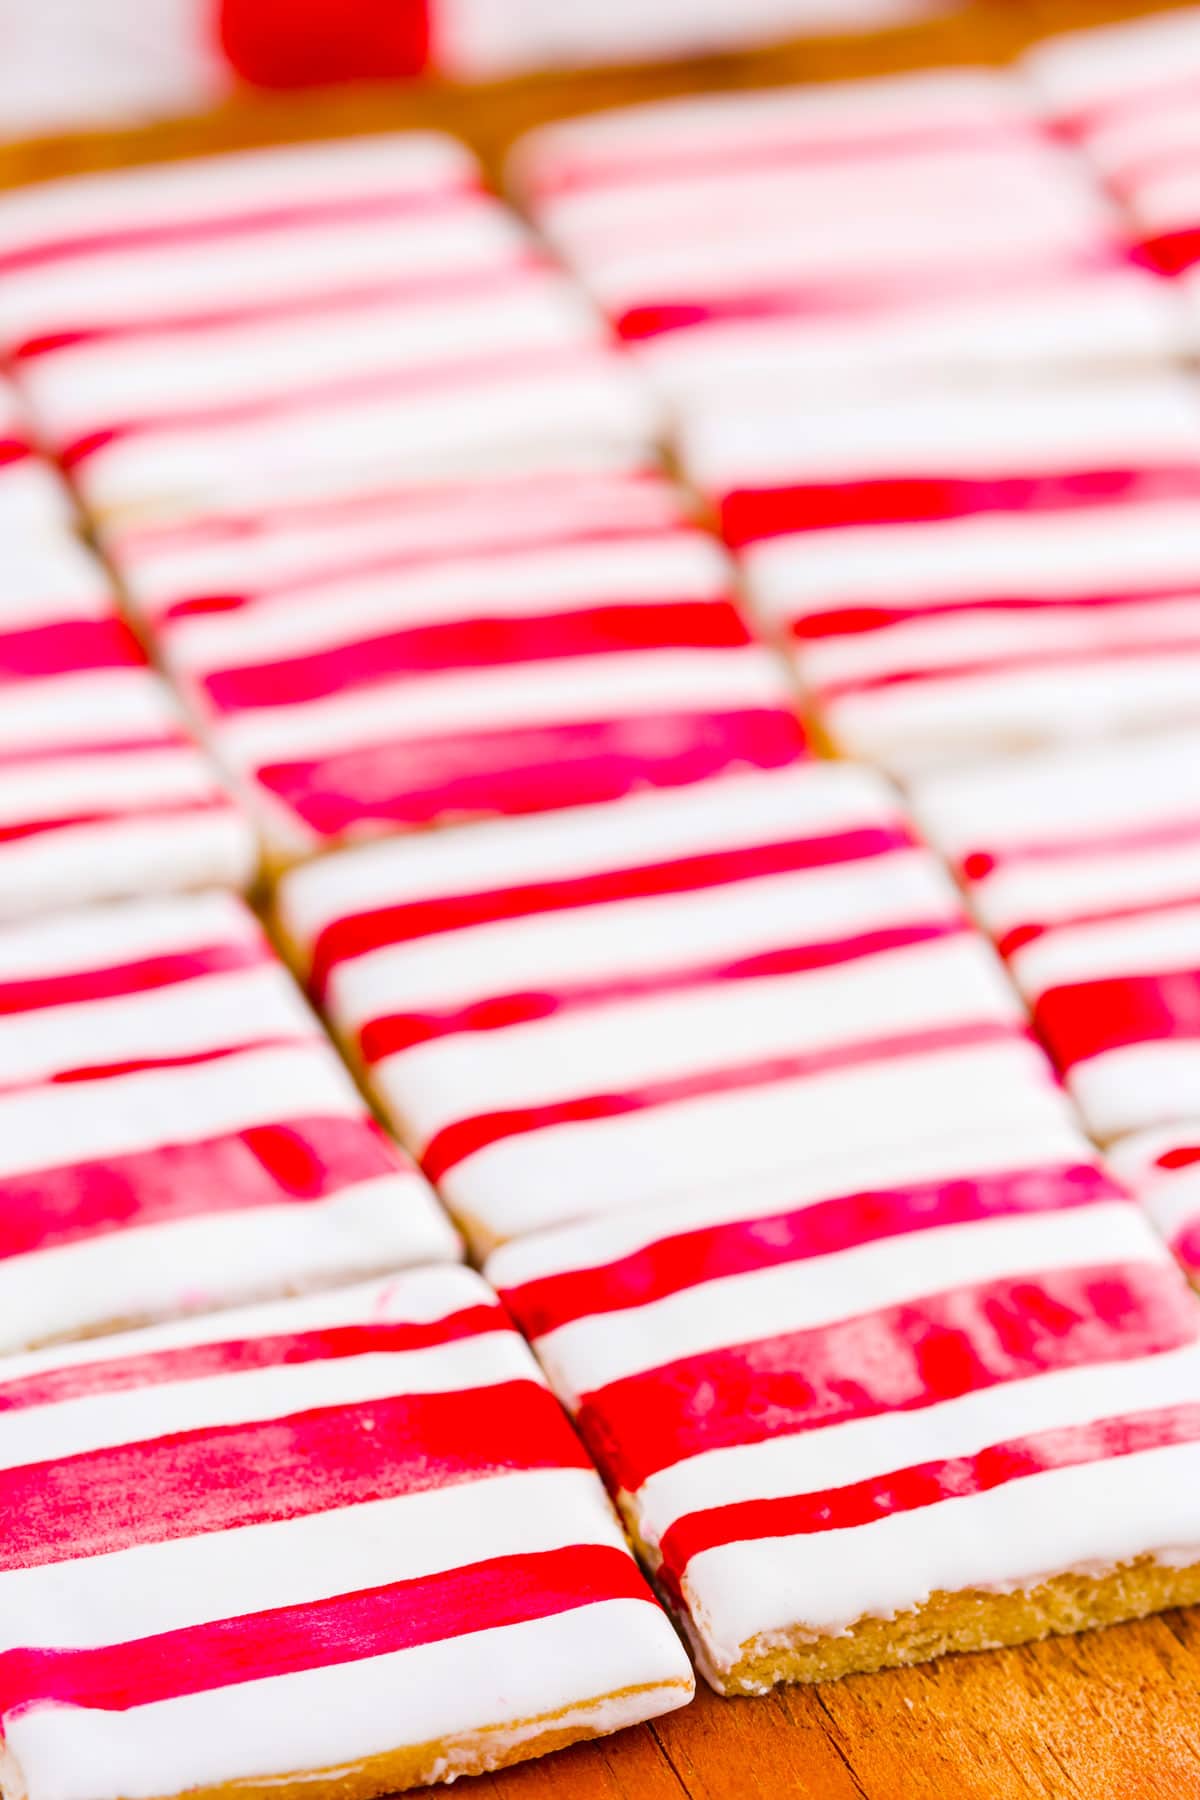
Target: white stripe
{"points": [[96, 1422], [124, 1114], [562, 1668], [589, 1353], [1082, 1520], [71, 867], [218, 1259], [77, 942], [1136, 1086], [185, 1581], [1147, 945], [715, 1145], [106, 703], [948, 981], [67, 784], [871, 1168]]}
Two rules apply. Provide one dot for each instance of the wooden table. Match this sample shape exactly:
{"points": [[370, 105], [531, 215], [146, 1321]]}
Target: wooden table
{"points": [[1110, 1715]]}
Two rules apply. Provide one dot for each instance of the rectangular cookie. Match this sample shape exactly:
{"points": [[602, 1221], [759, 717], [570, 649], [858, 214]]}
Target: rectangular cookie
{"points": [[418, 658], [662, 997], [980, 571], [176, 1133], [258, 323], [842, 234], [334, 1546], [937, 1402], [1126, 97], [1085, 866]]}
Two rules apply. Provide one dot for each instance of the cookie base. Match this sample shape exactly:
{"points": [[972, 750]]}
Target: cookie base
{"points": [[972, 1620]]}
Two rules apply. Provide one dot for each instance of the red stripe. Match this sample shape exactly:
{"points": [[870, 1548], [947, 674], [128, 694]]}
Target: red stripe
{"points": [[310, 43], [823, 1228], [379, 385], [400, 1031], [224, 1477], [877, 295], [1184, 1156], [449, 284], [239, 1356], [1091, 1018], [416, 781], [14, 450], [343, 209], [463, 547], [901, 1358], [750, 515], [977, 865], [360, 933], [851, 620], [136, 1065], [925, 1484], [1059, 656], [712, 155], [466, 1137], [603, 630], [78, 986], [321, 1634], [1173, 252], [133, 814], [65, 647], [295, 1162]]}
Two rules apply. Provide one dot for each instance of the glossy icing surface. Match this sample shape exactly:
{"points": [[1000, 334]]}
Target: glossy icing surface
{"points": [[971, 1367], [301, 1536], [1085, 866], [989, 570], [931, 222], [420, 657], [673, 994], [176, 1135]]}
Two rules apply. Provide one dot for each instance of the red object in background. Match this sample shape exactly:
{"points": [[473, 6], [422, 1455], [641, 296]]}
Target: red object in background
{"points": [[302, 43]]}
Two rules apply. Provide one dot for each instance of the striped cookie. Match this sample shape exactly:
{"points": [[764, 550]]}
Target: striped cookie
{"points": [[338, 1545], [667, 996], [176, 1134], [950, 1402]]}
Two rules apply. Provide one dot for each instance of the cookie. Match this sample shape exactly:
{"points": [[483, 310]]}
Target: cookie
{"points": [[950, 1402], [669, 995], [337, 1545], [176, 1134], [419, 658]]}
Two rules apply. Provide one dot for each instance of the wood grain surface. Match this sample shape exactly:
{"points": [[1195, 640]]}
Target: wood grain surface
{"points": [[1110, 1715]]}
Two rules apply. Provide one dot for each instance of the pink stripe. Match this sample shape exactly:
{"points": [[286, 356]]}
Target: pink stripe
{"points": [[240, 1356], [713, 155], [977, 865], [926, 1484], [475, 643], [823, 1228], [79, 986], [395, 1032], [870, 296], [139, 813], [852, 620], [380, 385], [360, 933], [224, 1477], [498, 274], [467, 1137], [321, 1634], [66, 648], [462, 547], [28, 755], [1140, 98], [899, 1359], [1067, 656], [296, 1162], [419, 780], [345, 209], [753, 515]]}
